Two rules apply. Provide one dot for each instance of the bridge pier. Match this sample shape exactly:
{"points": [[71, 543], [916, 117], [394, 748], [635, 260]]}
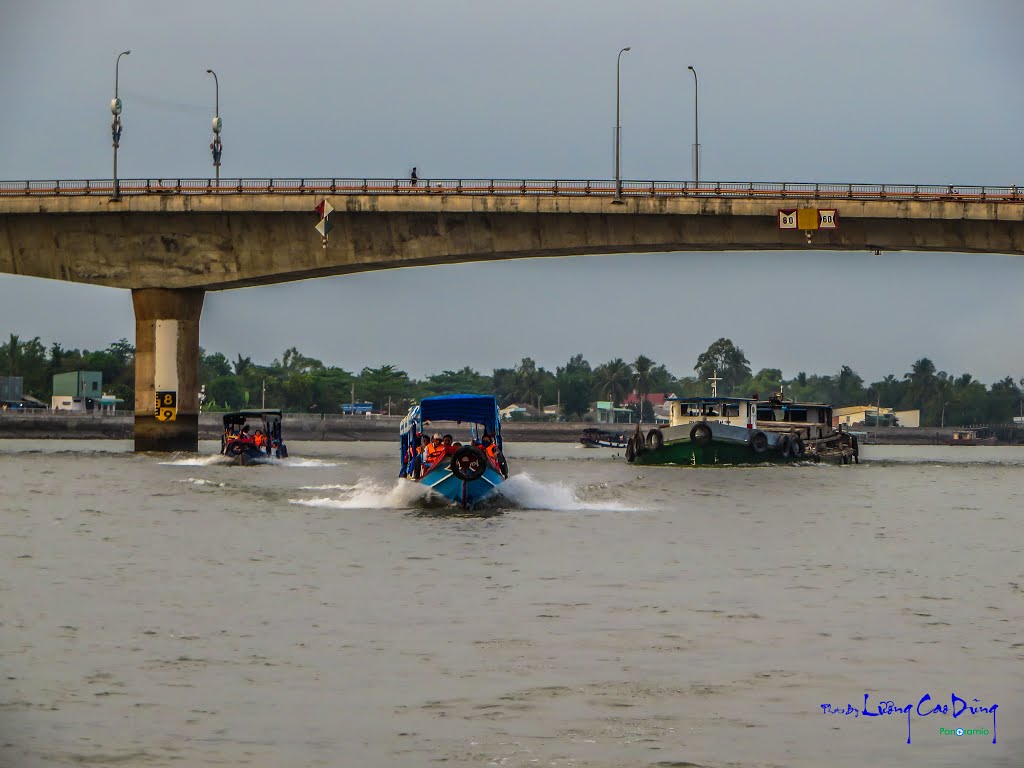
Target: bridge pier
{"points": [[167, 362]]}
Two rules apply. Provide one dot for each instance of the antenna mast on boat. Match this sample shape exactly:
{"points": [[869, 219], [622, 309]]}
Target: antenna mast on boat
{"points": [[714, 383]]}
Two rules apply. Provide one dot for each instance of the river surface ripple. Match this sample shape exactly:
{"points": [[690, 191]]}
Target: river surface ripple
{"points": [[163, 611]]}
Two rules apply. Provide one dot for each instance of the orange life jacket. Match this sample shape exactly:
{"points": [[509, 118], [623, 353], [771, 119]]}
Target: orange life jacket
{"points": [[434, 453]]}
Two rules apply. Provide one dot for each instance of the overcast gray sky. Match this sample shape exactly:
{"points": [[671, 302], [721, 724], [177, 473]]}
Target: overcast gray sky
{"points": [[918, 91]]}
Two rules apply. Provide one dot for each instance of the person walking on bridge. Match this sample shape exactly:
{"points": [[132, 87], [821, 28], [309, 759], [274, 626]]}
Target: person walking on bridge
{"points": [[413, 178]]}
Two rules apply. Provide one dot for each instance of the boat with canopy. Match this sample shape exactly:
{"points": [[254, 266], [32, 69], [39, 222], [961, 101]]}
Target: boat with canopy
{"points": [[465, 468]]}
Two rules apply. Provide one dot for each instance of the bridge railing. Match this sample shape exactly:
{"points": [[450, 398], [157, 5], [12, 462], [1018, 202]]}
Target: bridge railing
{"points": [[523, 187]]}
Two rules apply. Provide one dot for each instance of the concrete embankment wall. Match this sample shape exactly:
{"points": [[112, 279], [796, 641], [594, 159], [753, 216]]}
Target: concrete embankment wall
{"points": [[36, 426], [39, 426]]}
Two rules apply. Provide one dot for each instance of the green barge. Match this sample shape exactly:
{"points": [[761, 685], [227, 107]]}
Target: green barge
{"points": [[723, 431]]}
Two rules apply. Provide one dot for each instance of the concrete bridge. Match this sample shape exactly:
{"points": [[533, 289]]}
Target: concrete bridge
{"points": [[169, 241]]}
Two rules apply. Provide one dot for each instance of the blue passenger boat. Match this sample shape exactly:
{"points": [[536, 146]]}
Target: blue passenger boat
{"points": [[467, 472]]}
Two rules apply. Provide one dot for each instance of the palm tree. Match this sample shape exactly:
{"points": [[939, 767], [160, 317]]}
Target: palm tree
{"points": [[528, 382], [921, 380], [241, 364], [10, 355], [614, 378], [648, 377]]}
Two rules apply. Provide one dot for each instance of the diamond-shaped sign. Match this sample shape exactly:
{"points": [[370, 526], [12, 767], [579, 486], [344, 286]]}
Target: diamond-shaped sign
{"points": [[324, 208], [324, 227]]}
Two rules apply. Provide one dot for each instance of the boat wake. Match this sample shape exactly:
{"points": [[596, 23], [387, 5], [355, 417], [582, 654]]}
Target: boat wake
{"points": [[200, 481], [216, 459], [526, 492], [519, 491], [197, 461], [368, 494], [305, 463]]}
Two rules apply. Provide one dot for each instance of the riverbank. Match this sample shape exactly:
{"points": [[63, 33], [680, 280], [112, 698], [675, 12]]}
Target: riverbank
{"points": [[333, 427], [327, 427]]}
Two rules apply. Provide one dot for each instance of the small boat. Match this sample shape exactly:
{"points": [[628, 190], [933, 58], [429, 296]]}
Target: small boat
{"points": [[970, 437], [252, 436], [465, 473], [601, 438], [708, 431]]}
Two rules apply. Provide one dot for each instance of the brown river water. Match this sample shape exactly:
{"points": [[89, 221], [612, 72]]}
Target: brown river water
{"points": [[171, 611]]}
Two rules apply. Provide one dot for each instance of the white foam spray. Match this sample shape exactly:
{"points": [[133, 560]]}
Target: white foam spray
{"points": [[369, 494], [526, 492]]}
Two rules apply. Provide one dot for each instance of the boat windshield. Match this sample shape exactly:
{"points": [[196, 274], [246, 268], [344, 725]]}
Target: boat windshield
{"points": [[711, 408]]}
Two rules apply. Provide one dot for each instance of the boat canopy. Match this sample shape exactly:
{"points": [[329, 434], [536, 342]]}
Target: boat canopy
{"points": [[239, 417], [475, 409], [269, 419], [709, 399]]}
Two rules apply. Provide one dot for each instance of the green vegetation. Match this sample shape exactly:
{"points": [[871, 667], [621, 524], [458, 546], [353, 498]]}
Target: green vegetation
{"points": [[300, 383]]}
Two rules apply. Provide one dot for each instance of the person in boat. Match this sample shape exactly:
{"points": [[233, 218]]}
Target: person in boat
{"points": [[434, 451], [490, 449], [259, 439], [409, 459], [244, 436], [449, 446]]}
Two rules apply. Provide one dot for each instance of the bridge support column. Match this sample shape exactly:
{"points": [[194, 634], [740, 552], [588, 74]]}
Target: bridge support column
{"points": [[167, 362]]}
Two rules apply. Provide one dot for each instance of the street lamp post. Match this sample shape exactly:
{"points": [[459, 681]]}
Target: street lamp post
{"points": [[696, 134], [618, 130], [942, 419], [115, 128], [216, 147]]}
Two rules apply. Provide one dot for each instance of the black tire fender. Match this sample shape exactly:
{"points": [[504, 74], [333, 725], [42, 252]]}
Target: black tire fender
{"points": [[796, 448], [759, 442], [468, 463], [502, 465], [655, 439], [630, 450], [700, 433], [783, 444]]}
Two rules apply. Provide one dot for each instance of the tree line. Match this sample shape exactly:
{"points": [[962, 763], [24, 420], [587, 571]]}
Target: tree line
{"points": [[296, 382]]}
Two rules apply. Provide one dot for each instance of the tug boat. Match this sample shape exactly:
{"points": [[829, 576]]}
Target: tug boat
{"points": [[240, 443], [710, 431], [464, 473]]}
